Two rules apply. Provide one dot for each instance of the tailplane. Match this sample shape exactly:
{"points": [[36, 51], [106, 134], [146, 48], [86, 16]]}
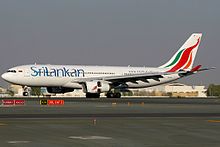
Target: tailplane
{"points": [[183, 59]]}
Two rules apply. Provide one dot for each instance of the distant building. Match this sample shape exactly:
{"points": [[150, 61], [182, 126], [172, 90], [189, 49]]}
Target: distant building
{"points": [[17, 89], [173, 90], [75, 93], [3, 90], [177, 89]]}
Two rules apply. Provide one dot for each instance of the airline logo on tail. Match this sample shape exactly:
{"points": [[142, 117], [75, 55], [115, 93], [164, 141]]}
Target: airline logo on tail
{"points": [[184, 57]]}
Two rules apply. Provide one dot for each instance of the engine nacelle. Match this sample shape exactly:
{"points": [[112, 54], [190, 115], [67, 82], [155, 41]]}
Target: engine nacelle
{"points": [[59, 89], [96, 87]]}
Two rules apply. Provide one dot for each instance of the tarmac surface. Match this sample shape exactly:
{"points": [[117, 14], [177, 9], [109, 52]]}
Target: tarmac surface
{"points": [[112, 123]]}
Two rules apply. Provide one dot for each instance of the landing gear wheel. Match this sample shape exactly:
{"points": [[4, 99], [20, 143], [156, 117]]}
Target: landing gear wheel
{"points": [[113, 95], [117, 95], [110, 95], [25, 93]]}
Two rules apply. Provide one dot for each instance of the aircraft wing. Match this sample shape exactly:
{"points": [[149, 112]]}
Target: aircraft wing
{"points": [[130, 78], [134, 77]]}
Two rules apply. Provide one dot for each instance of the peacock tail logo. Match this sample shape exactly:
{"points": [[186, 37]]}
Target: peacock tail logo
{"points": [[183, 57]]}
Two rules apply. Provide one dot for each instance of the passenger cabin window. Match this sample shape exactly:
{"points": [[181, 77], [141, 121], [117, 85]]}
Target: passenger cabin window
{"points": [[14, 71]]}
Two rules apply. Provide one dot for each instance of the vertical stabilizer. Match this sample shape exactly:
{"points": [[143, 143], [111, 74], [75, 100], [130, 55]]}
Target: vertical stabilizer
{"points": [[184, 57]]}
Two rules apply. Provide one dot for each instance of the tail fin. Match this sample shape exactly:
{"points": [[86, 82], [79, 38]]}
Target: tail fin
{"points": [[184, 57]]}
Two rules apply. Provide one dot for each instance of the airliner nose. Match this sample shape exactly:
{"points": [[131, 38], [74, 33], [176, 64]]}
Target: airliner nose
{"points": [[4, 76]]}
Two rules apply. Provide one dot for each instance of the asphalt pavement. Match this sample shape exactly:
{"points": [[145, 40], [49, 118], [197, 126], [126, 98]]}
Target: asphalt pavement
{"points": [[112, 123]]}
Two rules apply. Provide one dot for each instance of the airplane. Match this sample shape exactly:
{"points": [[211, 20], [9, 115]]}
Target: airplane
{"points": [[94, 80]]}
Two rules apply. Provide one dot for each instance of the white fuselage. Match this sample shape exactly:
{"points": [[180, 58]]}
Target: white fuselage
{"points": [[68, 75]]}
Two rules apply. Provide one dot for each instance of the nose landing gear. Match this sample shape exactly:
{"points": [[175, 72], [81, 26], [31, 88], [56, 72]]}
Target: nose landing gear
{"points": [[26, 91]]}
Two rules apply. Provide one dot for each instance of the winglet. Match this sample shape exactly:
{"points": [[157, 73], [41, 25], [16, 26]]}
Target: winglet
{"points": [[196, 68]]}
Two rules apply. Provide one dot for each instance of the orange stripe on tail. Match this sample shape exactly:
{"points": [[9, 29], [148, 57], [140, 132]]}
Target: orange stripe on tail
{"points": [[189, 62]]}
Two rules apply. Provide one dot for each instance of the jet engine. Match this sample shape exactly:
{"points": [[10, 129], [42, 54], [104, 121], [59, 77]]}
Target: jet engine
{"points": [[59, 89]]}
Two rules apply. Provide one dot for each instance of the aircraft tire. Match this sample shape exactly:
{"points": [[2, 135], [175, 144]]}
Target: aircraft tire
{"points": [[110, 95], [117, 95], [25, 93]]}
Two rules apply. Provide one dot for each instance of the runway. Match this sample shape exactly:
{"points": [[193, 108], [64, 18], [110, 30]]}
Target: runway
{"points": [[111, 122], [136, 107], [149, 100], [111, 115], [148, 107]]}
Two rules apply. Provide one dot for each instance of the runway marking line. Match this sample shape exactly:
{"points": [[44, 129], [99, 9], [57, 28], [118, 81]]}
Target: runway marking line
{"points": [[103, 106], [2, 124], [214, 121], [90, 137], [18, 142]]}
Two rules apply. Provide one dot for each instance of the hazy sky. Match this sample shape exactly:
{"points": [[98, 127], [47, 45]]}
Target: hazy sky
{"points": [[108, 32]]}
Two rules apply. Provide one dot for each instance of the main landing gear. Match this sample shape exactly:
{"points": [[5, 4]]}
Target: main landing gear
{"points": [[113, 95], [108, 95]]}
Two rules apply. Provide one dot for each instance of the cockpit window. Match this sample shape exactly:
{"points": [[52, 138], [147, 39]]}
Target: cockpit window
{"points": [[14, 71]]}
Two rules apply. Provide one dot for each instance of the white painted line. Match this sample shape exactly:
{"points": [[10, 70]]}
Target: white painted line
{"points": [[102, 106], [2, 124], [18, 142], [89, 137]]}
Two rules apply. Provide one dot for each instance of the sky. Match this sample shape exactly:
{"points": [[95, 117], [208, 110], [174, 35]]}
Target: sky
{"points": [[108, 32]]}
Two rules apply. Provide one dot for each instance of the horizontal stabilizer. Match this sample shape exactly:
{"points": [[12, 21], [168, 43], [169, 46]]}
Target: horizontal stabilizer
{"points": [[196, 68]]}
